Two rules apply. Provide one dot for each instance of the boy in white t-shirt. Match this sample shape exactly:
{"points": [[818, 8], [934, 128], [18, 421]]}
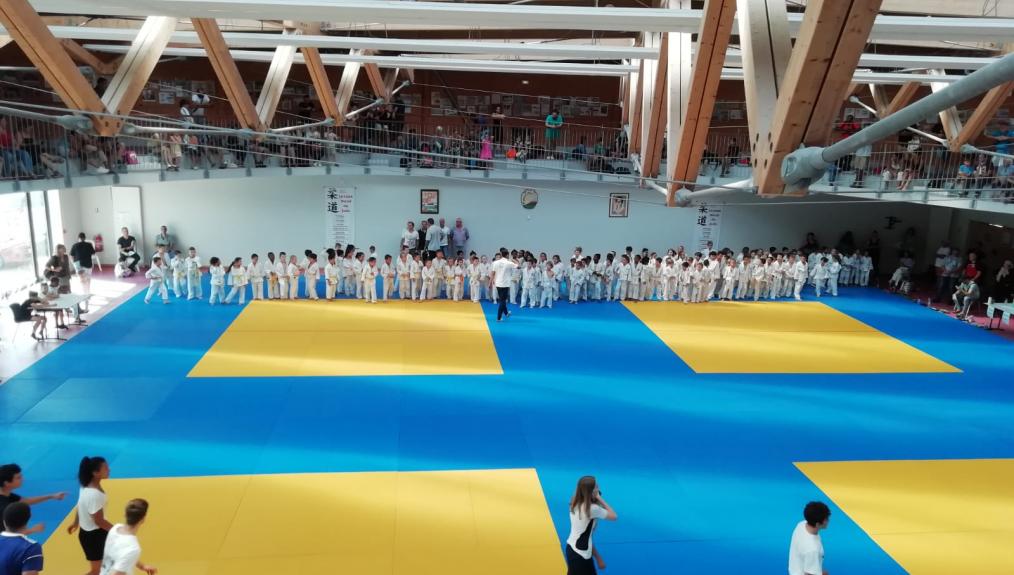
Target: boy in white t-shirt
{"points": [[123, 551], [806, 551]]}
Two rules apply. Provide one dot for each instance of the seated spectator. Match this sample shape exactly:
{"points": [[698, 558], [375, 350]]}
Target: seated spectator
{"points": [[963, 179], [903, 273], [580, 151], [965, 297], [1003, 289], [28, 313]]}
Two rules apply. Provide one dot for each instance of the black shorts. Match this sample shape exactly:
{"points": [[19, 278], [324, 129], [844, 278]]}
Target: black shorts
{"points": [[93, 543], [577, 565]]}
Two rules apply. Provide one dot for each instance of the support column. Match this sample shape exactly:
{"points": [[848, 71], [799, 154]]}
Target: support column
{"points": [[347, 84], [654, 131], [764, 40]]}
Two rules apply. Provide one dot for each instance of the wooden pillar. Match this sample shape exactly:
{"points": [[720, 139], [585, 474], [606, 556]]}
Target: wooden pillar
{"points": [[138, 64], [233, 88]]}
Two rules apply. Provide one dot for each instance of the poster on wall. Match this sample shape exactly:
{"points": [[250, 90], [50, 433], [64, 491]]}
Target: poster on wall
{"points": [[707, 227], [619, 205], [429, 201], [339, 216]]}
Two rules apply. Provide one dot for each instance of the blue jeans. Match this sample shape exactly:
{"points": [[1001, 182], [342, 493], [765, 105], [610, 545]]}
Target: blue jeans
{"points": [[17, 160]]}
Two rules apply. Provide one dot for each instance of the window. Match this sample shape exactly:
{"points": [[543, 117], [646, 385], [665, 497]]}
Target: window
{"points": [[17, 270]]}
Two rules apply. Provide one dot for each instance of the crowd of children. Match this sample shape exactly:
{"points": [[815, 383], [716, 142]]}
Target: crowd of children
{"points": [[538, 280]]}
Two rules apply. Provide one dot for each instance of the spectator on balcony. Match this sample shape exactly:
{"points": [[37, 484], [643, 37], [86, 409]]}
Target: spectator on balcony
{"points": [[1003, 289], [580, 151], [486, 153], [172, 151], [966, 173], [731, 156], [17, 161], [200, 102], [554, 125], [185, 114], [847, 127], [95, 159], [497, 118]]}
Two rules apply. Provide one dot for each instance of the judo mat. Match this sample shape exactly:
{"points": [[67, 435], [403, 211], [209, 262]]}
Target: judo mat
{"points": [[778, 337], [427, 523], [314, 338], [915, 509], [699, 466]]}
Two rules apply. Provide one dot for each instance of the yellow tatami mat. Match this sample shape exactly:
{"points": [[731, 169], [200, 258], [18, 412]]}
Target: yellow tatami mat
{"points": [[493, 522], [303, 338], [945, 517], [779, 337]]}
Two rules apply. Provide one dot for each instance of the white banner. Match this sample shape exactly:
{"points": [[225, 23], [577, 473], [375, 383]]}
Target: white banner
{"points": [[339, 216], [707, 227]]}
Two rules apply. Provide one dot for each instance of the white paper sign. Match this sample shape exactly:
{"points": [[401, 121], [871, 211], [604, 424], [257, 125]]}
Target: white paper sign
{"points": [[339, 216], [1005, 318], [707, 227]]}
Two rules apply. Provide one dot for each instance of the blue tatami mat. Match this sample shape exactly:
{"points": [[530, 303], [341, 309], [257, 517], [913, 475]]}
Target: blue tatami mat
{"points": [[699, 467]]}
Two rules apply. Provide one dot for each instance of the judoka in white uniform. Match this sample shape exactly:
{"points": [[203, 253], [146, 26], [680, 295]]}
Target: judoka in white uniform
{"points": [[310, 277], [332, 273], [238, 280], [428, 277], [217, 273], [387, 275], [193, 270], [369, 280], [256, 273], [292, 273], [156, 281]]}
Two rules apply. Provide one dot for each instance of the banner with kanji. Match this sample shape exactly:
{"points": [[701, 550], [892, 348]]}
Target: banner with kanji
{"points": [[339, 216], [707, 228]]}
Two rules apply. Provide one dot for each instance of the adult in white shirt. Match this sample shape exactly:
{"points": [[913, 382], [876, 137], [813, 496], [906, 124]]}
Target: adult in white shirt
{"points": [[445, 235], [806, 551], [586, 509], [500, 273], [122, 553], [409, 237]]}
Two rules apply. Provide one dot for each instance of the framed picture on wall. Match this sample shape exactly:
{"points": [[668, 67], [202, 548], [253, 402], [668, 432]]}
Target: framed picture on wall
{"points": [[429, 201], [619, 205]]}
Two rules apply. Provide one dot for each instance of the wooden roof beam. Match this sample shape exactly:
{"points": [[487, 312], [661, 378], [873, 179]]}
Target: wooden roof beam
{"points": [[818, 74], [637, 87], [137, 65], [274, 83], [83, 56], [901, 98], [706, 73], [654, 134], [227, 73], [764, 37], [48, 55], [346, 86], [321, 83]]}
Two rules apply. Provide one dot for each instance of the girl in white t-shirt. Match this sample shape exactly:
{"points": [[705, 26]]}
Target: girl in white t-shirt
{"points": [[90, 516], [586, 508], [123, 551]]}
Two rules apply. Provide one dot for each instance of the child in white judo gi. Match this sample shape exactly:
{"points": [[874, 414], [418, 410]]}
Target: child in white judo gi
{"points": [[474, 273], [217, 273], [577, 279], [865, 267], [369, 280], [403, 267], [730, 275], [156, 281], [415, 276], [757, 279], [178, 269], [833, 272], [282, 271], [193, 269], [428, 275], [548, 280], [387, 275], [458, 279], [255, 271], [332, 271], [292, 273], [238, 280], [529, 281], [799, 273], [310, 276], [820, 275]]}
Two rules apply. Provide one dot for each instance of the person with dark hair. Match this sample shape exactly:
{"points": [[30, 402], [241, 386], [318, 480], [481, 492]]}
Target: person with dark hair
{"points": [[90, 516], [806, 551], [11, 479], [587, 507], [19, 555], [501, 273], [122, 553], [82, 254]]}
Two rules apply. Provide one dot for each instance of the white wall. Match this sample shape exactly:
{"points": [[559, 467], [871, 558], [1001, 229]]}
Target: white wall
{"points": [[231, 217], [102, 210]]}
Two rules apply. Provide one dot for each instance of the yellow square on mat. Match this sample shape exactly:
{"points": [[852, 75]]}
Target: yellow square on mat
{"points": [[347, 337], [390, 523], [936, 517], [779, 337]]}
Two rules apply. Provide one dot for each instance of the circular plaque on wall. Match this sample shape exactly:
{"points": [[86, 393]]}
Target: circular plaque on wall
{"points": [[529, 198]]}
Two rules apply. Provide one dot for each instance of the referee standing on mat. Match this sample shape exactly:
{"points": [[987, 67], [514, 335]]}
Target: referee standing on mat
{"points": [[502, 270]]}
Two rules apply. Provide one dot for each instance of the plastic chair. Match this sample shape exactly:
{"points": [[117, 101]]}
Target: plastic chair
{"points": [[20, 317]]}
